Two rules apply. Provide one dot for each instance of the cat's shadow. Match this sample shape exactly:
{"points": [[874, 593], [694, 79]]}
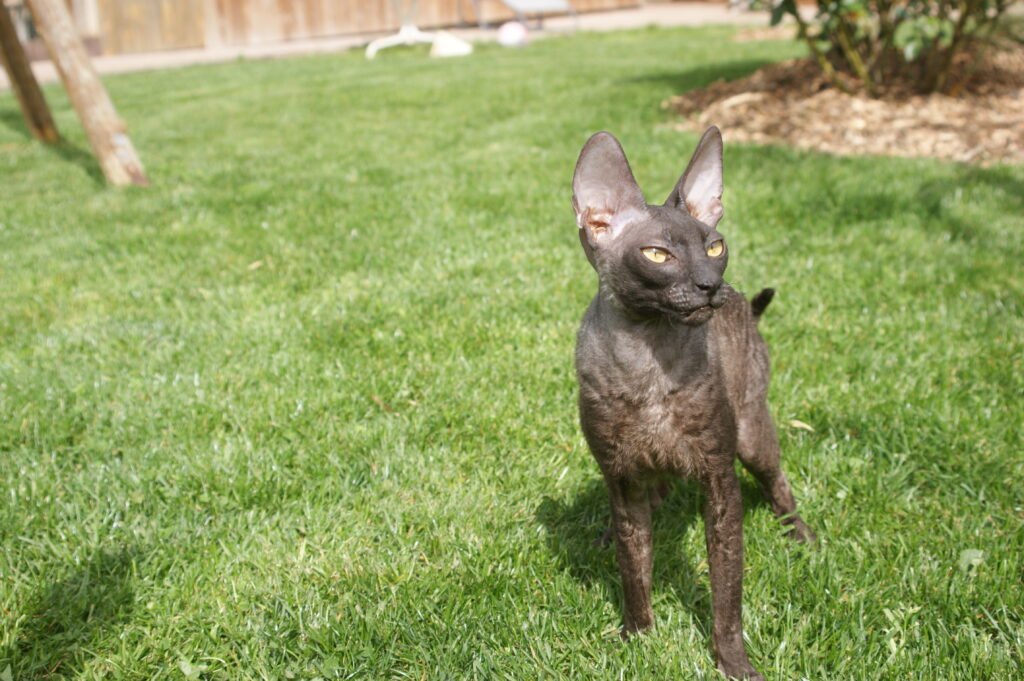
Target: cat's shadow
{"points": [[64, 621], [575, 528]]}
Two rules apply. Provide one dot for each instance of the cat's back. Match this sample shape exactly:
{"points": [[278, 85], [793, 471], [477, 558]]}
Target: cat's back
{"points": [[740, 350], [734, 320]]}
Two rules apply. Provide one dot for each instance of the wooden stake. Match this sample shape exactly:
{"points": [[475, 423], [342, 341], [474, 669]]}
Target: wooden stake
{"points": [[23, 81], [107, 133]]}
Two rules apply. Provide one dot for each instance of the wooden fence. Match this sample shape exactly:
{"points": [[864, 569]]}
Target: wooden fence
{"points": [[150, 25]]}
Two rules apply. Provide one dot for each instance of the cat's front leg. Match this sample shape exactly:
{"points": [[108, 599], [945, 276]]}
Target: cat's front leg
{"points": [[723, 529], [634, 549], [657, 496]]}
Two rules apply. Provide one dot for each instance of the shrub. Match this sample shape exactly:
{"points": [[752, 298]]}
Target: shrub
{"points": [[877, 42]]}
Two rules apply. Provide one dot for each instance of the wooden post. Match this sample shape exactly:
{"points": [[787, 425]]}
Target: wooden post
{"points": [[23, 81], [107, 133]]}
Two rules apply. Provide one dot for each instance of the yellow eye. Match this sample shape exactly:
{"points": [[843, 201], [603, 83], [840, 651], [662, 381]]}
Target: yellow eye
{"points": [[716, 249], [655, 254]]}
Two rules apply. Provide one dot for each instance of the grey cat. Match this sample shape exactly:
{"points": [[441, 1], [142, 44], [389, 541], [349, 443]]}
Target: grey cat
{"points": [[673, 375]]}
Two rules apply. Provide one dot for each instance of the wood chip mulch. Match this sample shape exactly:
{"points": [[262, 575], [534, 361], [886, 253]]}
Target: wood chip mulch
{"points": [[791, 103]]}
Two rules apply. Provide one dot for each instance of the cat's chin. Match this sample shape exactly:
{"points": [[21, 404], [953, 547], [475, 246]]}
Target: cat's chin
{"points": [[698, 316]]}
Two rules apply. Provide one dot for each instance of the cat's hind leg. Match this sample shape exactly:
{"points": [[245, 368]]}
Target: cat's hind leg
{"points": [[759, 452]]}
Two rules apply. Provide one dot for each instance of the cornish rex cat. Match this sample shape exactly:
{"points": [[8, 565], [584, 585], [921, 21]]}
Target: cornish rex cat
{"points": [[673, 374]]}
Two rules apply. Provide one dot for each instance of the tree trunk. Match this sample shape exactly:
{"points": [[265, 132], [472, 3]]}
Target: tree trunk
{"points": [[23, 82], [107, 133]]}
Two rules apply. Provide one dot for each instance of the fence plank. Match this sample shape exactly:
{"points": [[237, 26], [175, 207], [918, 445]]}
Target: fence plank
{"points": [[148, 25]]}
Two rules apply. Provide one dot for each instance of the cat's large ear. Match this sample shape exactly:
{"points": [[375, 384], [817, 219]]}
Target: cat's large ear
{"points": [[699, 190], [605, 195]]}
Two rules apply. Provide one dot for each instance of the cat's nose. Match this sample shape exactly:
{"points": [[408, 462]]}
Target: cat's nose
{"points": [[707, 285]]}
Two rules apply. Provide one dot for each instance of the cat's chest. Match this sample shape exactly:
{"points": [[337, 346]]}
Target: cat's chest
{"points": [[641, 417]]}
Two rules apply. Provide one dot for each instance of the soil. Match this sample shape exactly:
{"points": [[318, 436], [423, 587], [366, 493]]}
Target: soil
{"points": [[792, 103]]}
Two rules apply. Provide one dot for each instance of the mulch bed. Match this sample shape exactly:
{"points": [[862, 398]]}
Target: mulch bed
{"points": [[791, 103]]}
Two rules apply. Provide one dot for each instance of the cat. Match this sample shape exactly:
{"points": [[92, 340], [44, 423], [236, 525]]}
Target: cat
{"points": [[673, 375]]}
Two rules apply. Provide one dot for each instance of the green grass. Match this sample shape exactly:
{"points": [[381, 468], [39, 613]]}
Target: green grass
{"points": [[305, 407]]}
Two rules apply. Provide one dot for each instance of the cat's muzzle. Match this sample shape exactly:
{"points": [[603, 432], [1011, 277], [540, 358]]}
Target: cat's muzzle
{"points": [[696, 309]]}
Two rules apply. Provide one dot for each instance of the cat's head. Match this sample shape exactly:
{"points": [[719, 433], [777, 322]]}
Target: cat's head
{"points": [[655, 261]]}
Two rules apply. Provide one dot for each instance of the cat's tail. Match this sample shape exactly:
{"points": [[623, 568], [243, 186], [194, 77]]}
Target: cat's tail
{"points": [[760, 302]]}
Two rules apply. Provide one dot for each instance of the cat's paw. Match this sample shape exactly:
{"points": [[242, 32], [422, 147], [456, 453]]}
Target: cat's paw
{"points": [[632, 629], [742, 670], [800, 532]]}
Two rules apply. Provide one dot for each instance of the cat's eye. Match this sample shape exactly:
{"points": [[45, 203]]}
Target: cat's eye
{"points": [[716, 248], [655, 254]]}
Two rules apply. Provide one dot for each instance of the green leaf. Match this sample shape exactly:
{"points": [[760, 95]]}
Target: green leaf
{"points": [[908, 37], [781, 9], [946, 31]]}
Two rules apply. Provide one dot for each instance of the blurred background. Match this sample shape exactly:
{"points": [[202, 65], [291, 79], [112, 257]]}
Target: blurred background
{"points": [[124, 26]]}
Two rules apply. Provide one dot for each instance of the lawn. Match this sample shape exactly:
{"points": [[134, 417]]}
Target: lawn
{"points": [[306, 407]]}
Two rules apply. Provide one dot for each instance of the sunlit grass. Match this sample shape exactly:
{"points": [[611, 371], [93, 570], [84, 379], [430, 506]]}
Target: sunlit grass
{"points": [[305, 407]]}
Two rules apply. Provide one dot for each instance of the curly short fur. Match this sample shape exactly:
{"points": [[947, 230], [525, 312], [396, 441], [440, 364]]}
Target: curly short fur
{"points": [[673, 375]]}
